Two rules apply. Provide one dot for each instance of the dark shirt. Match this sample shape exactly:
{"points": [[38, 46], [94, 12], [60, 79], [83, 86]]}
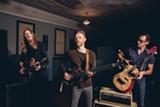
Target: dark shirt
{"points": [[134, 56], [38, 54], [78, 60]]}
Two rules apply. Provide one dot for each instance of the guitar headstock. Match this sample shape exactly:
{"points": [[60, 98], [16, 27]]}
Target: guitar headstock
{"points": [[120, 63], [44, 62], [152, 50]]}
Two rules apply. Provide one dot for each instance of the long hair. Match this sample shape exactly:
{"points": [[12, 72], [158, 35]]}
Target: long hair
{"points": [[25, 44]]}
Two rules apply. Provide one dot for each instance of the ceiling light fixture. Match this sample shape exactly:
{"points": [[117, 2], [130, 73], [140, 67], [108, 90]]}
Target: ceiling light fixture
{"points": [[86, 22]]}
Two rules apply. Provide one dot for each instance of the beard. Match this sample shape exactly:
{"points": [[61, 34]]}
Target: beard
{"points": [[138, 45], [79, 44]]}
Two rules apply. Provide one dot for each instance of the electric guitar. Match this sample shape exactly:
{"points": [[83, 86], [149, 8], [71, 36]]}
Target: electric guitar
{"points": [[124, 80], [76, 76], [29, 71]]}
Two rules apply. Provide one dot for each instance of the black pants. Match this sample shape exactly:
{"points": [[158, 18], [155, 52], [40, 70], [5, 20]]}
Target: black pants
{"points": [[37, 93]]}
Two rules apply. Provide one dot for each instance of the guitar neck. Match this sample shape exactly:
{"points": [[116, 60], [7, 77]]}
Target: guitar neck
{"points": [[41, 63], [138, 62], [104, 67]]}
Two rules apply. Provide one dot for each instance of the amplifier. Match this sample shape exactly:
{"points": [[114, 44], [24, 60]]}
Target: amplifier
{"points": [[15, 95], [111, 96], [98, 103]]}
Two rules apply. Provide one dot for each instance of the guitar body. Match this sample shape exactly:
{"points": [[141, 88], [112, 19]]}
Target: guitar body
{"points": [[29, 71], [76, 77], [123, 81]]}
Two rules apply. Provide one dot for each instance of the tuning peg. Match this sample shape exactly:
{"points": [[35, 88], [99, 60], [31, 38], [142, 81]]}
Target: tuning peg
{"points": [[119, 67], [119, 50]]}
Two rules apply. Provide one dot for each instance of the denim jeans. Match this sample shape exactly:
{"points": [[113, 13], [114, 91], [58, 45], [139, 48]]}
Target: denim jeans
{"points": [[139, 92], [76, 93]]}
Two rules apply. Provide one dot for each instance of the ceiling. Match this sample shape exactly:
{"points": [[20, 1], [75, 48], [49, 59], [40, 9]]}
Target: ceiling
{"points": [[110, 19], [99, 12]]}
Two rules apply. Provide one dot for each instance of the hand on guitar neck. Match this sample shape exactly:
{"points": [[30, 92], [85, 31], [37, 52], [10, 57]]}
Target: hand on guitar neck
{"points": [[36, 66]]}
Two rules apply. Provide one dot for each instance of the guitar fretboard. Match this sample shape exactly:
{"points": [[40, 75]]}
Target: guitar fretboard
{"points": [[104, 67]]}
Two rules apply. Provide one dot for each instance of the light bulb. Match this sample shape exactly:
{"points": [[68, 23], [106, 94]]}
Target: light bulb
{"points": [[86, 22]]}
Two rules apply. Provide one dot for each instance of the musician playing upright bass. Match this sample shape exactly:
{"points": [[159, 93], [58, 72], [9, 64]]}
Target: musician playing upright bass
{"points": [[78, 58], [145, 68]]}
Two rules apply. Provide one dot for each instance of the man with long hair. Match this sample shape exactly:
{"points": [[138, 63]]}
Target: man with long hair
{"points": [[32, 53]]}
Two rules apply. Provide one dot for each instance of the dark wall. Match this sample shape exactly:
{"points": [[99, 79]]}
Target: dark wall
{"points": [[122, 32], [3, 54], [3, 65], [122, 29]]}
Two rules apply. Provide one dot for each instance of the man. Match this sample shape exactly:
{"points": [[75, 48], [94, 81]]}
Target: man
{"points": [[77, 58], [145, 68], [33, 52]]}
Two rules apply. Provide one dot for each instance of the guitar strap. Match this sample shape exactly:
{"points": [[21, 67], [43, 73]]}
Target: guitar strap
{"points": [[86, 68], [87, 60]]}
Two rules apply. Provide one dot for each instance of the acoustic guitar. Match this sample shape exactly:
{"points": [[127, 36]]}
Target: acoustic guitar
{"points": [[124, 80]]}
